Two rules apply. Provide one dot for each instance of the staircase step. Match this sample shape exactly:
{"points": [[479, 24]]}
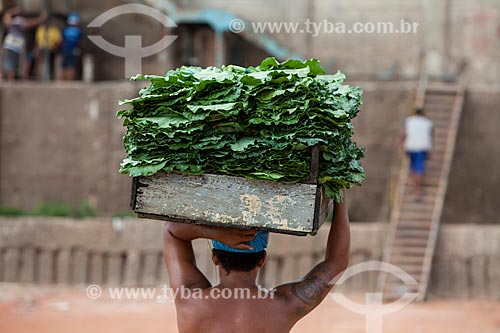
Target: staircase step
{"points": [[438, 93], [418, 216], [439, 109], [399, 286], [406, 250], [414, 225], [434, 162], [437, 117], [390, 296], [392, 279], [413, 271], [410, 234], [417, 207], [433, 103], [431, 182], [432, 174], [438, 100], [412, 242], [438, 126], [440, 140], [442, 88], [405, 233], [425, 199], [441, 133], [440, 121], [411, 224], [405, 259]]}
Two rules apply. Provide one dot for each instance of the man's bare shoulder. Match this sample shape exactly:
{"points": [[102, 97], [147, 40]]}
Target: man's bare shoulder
{"points": [[234, 310]]}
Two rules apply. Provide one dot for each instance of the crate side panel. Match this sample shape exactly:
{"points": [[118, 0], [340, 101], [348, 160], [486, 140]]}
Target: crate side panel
{"points": [[228, 200]]}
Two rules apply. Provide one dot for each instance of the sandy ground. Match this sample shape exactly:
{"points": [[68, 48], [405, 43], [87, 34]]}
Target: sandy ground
{"points": [[29, 309]]}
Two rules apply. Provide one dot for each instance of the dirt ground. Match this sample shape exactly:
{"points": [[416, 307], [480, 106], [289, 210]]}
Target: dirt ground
{"points": [[30, 309]]}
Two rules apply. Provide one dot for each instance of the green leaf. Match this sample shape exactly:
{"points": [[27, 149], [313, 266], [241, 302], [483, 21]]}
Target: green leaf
{"points": [[259, 123]]}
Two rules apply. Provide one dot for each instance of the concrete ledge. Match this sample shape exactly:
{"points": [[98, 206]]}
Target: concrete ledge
{"points": [[129, 252]]}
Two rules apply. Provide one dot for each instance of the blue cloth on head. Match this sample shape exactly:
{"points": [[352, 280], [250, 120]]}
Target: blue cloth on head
{"points": [[259, 243]]}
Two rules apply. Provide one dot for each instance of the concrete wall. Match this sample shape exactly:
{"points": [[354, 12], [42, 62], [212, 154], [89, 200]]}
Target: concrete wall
{"points": [[474, 183], [63, 143], [129, 252]]}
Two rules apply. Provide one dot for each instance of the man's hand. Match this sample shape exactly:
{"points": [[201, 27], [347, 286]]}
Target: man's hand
{"points": [[235, 238]]}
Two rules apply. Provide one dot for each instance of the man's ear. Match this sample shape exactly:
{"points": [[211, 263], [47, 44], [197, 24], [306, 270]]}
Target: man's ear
{"points": [[262, 261], [215, 260]]}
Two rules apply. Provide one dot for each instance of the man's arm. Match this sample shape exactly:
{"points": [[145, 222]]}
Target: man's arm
{"points": [[303, 296], [9, 13], [179, 255], [32, 22]]}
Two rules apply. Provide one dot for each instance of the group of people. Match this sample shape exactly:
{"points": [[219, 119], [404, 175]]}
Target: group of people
{"points": [[49, 42]]}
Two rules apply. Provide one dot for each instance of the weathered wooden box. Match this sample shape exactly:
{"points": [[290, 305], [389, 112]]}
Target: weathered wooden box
{"points": [[222, 200]]}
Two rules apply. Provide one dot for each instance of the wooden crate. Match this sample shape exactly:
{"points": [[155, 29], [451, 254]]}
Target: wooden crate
{"points": [[222, 200]]}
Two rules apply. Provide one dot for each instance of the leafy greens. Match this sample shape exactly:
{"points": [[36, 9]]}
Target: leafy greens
{"points": [[258, 122]]}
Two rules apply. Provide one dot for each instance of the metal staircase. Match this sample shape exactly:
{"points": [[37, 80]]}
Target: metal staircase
{"points": [[414, 223]]}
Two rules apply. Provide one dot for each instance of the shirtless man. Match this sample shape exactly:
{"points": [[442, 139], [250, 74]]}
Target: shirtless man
{"points": [[238, 271]]}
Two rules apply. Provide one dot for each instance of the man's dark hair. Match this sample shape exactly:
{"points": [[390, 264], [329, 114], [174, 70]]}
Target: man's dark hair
{"points": [[238, 261], [419, 111]]}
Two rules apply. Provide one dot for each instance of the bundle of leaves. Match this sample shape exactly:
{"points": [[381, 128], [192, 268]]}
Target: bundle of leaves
{"points": [[258, 122]]}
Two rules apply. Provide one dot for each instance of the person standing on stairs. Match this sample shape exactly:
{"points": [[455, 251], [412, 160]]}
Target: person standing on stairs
{"points": [[417, 140]]}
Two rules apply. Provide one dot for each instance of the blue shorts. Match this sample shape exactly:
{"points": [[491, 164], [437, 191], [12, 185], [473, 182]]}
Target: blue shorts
{"points": [[417, 161]]}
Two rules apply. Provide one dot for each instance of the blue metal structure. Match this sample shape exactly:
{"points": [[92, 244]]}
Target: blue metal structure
{"points": [[220, 21]]}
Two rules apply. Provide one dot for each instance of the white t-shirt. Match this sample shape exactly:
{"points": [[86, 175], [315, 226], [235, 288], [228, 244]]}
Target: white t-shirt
{"points": [[418, 134]]}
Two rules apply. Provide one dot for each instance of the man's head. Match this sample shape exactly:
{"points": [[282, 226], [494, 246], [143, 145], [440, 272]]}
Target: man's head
{"points": [[238, 261], [73, 19], [231, 259], [419, 111]]}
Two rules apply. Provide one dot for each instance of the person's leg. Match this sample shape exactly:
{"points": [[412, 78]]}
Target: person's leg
{"points": [[68, 66], [11, 75], [418, 185], [29, 71], [10, 64], [411, 174], [51, 63], [38, 55], [419, 169], [71, 73]]}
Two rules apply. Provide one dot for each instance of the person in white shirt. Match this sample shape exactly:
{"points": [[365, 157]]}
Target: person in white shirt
{"points": [[14, 43], [417, 140]]}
